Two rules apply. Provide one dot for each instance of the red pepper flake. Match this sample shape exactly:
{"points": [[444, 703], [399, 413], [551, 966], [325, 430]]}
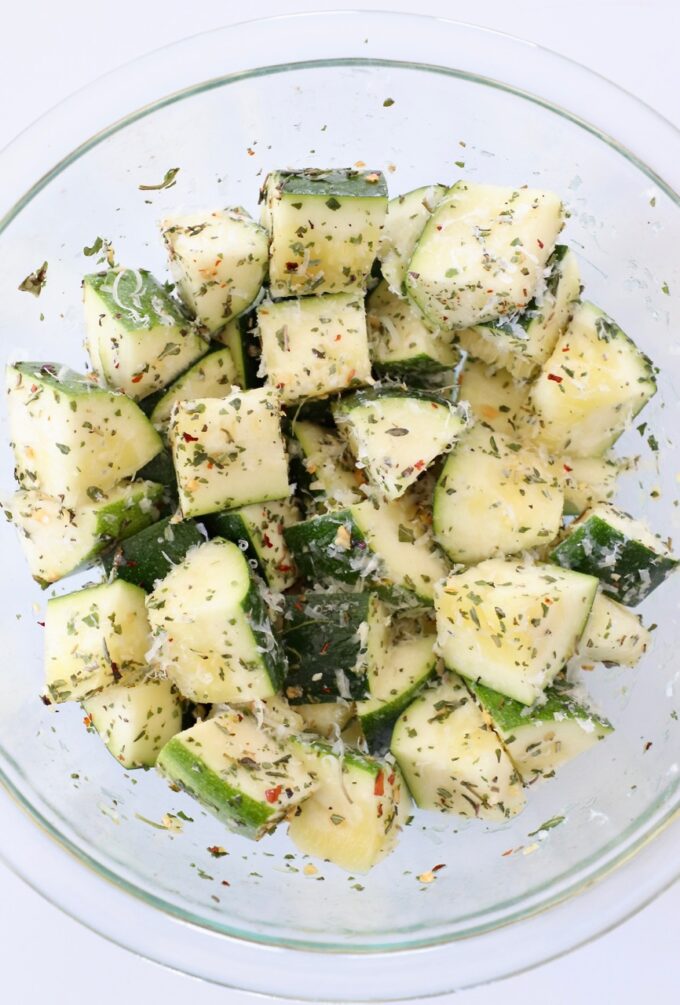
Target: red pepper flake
{"points": [[419, 465], [566, 348], [210, 465], [439, 226], [351, 375], [324, 648], [267, 541], [34, 388], [555, 377], [224, 883], [216, 851], [87, 722], [648, 745], [251, 152], [271, 795], [42, 624], [379, 787], [540, 242], [567, 468], [338, 337], [188, 438], [380, 809], [436, 868], [137, 377], [390, 778], [506, 853], [291, 266], [282, 567]]}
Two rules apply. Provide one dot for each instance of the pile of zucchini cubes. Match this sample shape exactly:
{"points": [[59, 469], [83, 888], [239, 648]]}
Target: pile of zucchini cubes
{"points": [[349, 481]]}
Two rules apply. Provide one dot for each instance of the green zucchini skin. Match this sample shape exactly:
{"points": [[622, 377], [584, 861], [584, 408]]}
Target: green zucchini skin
{"points": [[149, 555], [311, 542], [509, 714], [160, 469], [241, 338], [636, 571], [347, 182]]}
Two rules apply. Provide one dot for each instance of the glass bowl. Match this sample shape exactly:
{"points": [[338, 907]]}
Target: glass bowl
{"points": [[225, 107]]}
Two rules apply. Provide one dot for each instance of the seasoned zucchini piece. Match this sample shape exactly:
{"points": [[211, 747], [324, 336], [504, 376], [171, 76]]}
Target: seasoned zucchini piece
{"points": [[258, 531], [314, 346], [228, 452], [150, 554], [623, 553], [588, 480], [512, 625], [241, 339], [219, 261], [212, 377], [400, 343], [451, 758], [92, 638], [494, 396], [494, 497], [612, 634], [325, 229], [62, 425], [58, 540], [212, 634], [247, 777], [137, 337], [327, 718], [591, 387], [273, 714], [404, 223], [396, 433], [322, 468], [547, 735], [482, 253], [136, 718], [354, 817]]}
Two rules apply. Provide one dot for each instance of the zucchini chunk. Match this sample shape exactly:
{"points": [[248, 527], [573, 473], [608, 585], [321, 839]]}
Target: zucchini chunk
{"points": [[243, 774], [212, 377], [494, 396], [136, 718], [588, 480], [494, 498], [592, 386], [258, 531], [521, 343], [482, 253], [273, 714], [137, 337], [381, 545], [212, 634], [149, 555], [511, 625], [58, 540], [400, 343], [325, 229], [314, 346], [241, 339], [395, 433], [451, 758], [547, 735], [218, 260], [622, 552], [405, 221], [322, 468], [612, 634], [228, 452], [327, 718], [92, 638], [354, 817], [62, 425]]}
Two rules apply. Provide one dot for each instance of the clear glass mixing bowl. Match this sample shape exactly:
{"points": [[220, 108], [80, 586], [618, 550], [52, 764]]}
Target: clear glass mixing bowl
{"points": [[226, 107]]}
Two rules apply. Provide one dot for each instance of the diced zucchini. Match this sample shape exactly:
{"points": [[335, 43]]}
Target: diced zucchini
{"points": [[612, 634], [241, 773], [494, 396], [405, 221], [314, 346], [212, 377], [522, 343], [58, 540], [258, 530], [241, 339], [482, 253], [92, 638], [493, 498], [547, 735], [400, 343], [137, 337], [396, 433], [354, 817], [451, 758], [219, 261], [327, 718], [324, 472], [588, 480], [591, 387], [273, 714], [150, 554], [136, 718], [512, 625], [381, 545], [212, 634], [622, 552], [72, 438], [228, 452], [325, 229]]}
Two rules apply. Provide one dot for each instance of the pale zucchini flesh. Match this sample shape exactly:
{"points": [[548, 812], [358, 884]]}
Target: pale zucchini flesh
{"points": [[405, 221], [212, 377]]}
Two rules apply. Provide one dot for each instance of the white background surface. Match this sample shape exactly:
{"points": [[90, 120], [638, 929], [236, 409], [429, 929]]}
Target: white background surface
{"points": [[49, 50]]}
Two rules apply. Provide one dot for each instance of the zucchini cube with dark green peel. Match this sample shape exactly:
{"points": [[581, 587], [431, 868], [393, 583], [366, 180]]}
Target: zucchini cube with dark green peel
{"points": [[243, 774], [212, 377], [591, 387], [628, 559], [405, 221], [613, 635], [451, 758], [547, 735], [136, 717], [219, 262], [314, 346], [228, 452], [494, 396], [512, 625], [240, 336], [327, 718], [152, 553], [58, 540], [400, 343], [137, 337], [354, 817], [322, 467], [93, 638], [211, 630], [72, 438], [325, 228], [258, 531]]}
